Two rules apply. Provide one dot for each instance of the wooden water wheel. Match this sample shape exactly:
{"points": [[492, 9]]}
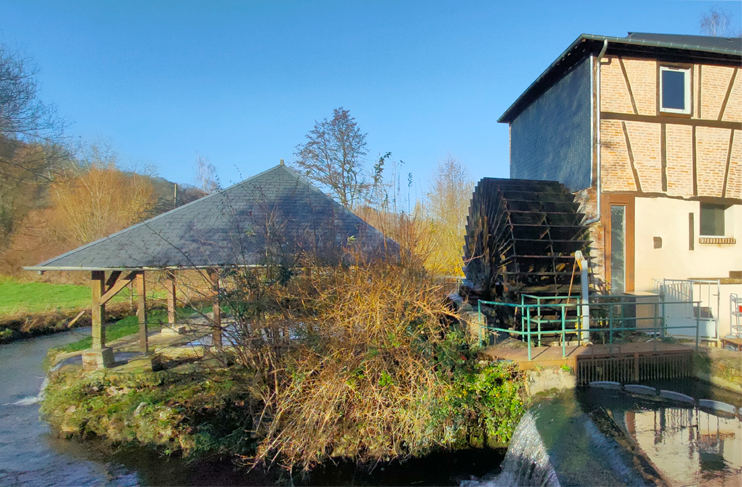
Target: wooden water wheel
{"points": [[521, 236]]}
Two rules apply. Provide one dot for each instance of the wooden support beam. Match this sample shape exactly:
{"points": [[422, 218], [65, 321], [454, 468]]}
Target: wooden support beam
{"points": [[112, 279], [217, 333], [114, 286], [97, 286], [142, 312], [171, 299]]}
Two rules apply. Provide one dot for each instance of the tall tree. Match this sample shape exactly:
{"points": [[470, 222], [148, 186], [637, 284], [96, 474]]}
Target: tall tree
{"points": [[29, 132], [23, 116], [333, 157], [448, 206], [718, 23], [207, 178], [100, 200]]}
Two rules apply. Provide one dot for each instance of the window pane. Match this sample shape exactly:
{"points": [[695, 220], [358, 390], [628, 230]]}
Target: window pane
{"points": [[712, 219], [673, 89], [618, 249]]}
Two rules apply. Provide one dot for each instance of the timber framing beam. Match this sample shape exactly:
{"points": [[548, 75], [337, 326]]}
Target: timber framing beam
{"points": [[103, 290], [142, 312], [115, 284], [215, 283], [170, 284]]}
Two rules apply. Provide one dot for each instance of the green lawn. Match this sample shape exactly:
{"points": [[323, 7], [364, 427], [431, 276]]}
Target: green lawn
{"points": [[122, 328], [36, 297]]}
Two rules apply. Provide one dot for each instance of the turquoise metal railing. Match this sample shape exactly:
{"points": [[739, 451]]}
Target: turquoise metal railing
{"points": [[607, 314]]}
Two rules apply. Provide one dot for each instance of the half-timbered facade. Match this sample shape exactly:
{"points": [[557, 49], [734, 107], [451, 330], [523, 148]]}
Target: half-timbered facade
{"points": [[647, 130]]}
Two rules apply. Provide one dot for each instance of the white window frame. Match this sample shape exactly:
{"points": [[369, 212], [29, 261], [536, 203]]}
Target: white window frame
{"points": [[687, 88]]}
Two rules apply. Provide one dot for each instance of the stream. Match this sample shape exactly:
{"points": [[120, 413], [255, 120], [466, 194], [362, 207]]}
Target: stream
{"points": [[583, 437]]}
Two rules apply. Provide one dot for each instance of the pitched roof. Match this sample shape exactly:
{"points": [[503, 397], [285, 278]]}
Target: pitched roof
{"points": [[670, 47], [728, 45], [275, 214]]}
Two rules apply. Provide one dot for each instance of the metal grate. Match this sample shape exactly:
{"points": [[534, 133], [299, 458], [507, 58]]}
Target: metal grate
{"points": [[628, 369]]}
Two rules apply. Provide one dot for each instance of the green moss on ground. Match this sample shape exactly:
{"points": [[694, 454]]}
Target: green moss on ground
{"points": [[197, 414], [723, 364], [124, 327]]}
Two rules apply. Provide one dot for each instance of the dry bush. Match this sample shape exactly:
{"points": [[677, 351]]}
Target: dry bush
{"points": [[448, 206], [101, 201], [344, 360], [37, 238]]}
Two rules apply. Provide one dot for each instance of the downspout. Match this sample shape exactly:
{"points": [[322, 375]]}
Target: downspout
{"points": [[584, 297], [597, 115]]}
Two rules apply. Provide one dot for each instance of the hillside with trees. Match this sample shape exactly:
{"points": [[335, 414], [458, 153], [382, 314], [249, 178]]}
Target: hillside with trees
{"points": [[54, 197]]}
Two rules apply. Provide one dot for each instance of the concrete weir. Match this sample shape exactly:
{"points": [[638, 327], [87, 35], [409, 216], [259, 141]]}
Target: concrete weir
{"points": [[559, 443], [676, 396], [640, 390], [717, 406]]}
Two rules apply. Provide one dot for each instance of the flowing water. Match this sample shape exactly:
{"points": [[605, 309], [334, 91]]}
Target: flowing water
{"points": [[607, 437], [593, 437], [28, 453], [31, 455]]}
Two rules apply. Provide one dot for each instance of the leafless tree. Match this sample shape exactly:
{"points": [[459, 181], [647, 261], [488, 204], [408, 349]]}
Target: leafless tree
{"points": [[206, 177], [333, 158], [22, 115], [718, 23]]}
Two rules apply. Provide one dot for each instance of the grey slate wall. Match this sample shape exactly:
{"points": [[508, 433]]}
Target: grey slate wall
{"points": [[550, 140]]}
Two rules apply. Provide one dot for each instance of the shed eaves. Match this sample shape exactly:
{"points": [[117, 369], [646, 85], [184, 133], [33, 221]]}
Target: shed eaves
{"points": [[274, 215]]}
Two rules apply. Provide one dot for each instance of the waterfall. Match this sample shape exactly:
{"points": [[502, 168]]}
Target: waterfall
{"points": [[557, 442], [526, 463]]}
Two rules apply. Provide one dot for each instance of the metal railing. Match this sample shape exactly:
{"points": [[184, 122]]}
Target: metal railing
{"points": [[610, 316], [703, 298]]}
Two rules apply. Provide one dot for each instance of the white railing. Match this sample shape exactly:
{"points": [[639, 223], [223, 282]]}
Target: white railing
{"points": [[707, 296]]}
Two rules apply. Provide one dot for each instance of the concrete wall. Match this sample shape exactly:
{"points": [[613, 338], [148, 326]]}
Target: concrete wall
{"points": [[551, 139], [668, 219]]}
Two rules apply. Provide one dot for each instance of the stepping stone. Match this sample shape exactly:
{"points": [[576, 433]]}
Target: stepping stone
{"points": [[717, 406], [642, 390], [676, 396], [606, 384]]}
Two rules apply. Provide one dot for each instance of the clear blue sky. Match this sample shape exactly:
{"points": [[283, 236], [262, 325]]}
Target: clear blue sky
{"points": [[242, 82]]}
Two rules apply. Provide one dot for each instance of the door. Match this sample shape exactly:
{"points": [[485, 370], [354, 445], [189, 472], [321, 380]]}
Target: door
{"points": [[618, 223]]}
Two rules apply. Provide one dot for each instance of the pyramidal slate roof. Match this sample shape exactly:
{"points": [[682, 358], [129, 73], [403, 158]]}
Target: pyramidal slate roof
{"points": [[271, 217]]}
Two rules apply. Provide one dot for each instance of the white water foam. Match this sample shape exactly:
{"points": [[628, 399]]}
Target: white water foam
{"points": [[526, 463], [31, 400]]}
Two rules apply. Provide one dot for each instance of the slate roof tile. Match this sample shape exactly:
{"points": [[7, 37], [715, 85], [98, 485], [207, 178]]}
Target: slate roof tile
{"points": [[233, 227]]}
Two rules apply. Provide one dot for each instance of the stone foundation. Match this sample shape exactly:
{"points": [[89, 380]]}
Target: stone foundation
{"points": [[97, 358]]}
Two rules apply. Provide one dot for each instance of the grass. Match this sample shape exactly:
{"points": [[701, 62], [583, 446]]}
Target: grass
{"points": [[38, 297], [114, 331]]}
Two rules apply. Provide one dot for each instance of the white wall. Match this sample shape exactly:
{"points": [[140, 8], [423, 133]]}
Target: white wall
{"points": [[668, 218]]}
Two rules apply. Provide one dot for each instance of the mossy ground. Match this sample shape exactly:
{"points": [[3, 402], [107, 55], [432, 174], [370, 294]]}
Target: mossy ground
{"points": [[724, 364], [202, 413]]}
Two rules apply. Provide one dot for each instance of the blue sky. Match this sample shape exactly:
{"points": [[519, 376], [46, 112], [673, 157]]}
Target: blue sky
{"points": [[242, 82]]}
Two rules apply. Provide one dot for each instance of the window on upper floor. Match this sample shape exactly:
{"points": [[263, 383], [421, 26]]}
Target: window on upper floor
{"points": [[712, 220], [674, 90]]}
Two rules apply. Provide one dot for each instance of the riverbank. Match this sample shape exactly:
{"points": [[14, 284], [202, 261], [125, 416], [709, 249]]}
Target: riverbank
{"points": [[30, 309], [295, 379], [199, 408]]}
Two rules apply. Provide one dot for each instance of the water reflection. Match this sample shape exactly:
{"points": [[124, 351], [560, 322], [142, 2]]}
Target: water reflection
{"points": [[689, 446]]}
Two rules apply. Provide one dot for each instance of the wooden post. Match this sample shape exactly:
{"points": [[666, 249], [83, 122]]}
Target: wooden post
{"points": [[217, 333], [171, 302], [97, 286], [636, 366], [142, 313]]}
